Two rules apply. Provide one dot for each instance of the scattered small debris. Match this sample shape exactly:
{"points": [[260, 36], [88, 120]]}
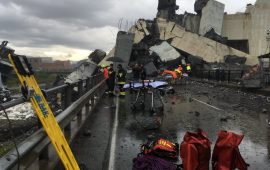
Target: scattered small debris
{"points": [[87, 133], [225, 119], [197, 113], [264, 110]]}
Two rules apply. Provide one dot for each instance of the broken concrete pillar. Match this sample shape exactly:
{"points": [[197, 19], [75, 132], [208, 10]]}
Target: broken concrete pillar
{"points": [[166, 9], [97, 56], [212, 17], [123, 48], [139, 30], [199, 5]]}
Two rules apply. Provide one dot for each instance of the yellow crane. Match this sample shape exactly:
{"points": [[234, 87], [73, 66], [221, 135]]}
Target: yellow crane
{"points": [[31, 90]]}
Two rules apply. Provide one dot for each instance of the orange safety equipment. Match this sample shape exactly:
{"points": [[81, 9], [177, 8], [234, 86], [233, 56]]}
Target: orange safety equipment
{"points": [[195, 151], [106, 73], [173, 73], [180, 68], [161, 148], [226, 155]]}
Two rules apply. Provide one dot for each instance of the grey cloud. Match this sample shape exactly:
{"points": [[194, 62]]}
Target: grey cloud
{"points": [[84, 24], [73, 23]]}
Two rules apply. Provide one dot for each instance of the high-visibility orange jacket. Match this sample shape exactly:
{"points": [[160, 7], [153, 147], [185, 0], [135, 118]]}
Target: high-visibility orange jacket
{"points": [[173, 73], [106, 73], [226, 155], [195, 151]]}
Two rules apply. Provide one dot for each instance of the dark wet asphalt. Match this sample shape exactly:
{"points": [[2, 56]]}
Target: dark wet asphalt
{"points": [[91, 146], [184, 111]]}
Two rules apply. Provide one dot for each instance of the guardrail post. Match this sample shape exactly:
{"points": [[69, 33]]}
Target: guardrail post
{"points": [[80, 91], [88, 87], [68, 101], [94, 79], [202, 74], [242, 73], [229, 76], [44, 155]]}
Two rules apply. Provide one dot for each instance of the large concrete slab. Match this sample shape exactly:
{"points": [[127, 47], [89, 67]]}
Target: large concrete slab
{"points": [[196, 45]]}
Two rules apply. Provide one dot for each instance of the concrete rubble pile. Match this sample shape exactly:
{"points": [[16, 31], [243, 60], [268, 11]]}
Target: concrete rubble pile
{"points": [[209, 39], [200, 39]]}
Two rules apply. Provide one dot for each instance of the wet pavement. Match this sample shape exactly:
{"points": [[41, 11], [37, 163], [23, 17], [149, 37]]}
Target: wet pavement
{"points": [[194, 105], [202, 106]]}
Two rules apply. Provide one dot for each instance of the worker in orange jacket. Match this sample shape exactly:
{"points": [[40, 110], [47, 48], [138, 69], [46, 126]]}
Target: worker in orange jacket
{"points": [[106, 74], [179, 71]]}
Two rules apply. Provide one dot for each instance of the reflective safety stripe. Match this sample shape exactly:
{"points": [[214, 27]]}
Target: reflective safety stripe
{"points": [[122, 93], [121, 82], [178, 71]]}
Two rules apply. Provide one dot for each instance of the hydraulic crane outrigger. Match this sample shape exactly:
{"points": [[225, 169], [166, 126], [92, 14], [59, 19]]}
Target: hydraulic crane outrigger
{"points": [[32, 91]]}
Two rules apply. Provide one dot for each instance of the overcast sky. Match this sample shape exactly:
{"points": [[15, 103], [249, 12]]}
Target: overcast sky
{"points": [[71, 29]]}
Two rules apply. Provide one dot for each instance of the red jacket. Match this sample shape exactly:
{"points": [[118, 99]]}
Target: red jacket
{"points": [[195, 151], [226, 155], [106, 73]]}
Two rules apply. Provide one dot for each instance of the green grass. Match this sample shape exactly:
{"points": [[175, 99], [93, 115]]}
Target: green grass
{"points": [[5, 147], [41, 77]]}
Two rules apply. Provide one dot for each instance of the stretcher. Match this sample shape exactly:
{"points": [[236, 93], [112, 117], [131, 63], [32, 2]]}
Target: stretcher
{"points": [[145, 89]]}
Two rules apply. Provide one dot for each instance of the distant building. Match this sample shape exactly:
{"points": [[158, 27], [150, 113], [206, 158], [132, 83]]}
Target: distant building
{"points": [[47, 64]]}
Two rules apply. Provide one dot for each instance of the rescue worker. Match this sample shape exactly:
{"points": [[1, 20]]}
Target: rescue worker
{"points": [[136, 72], [172, 73], [188, 68], [106, 74], [111, 80], [179, 71], [121, 79], [143, 73]]}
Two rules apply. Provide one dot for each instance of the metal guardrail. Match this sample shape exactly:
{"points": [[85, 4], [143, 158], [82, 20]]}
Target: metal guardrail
{"points": [[36, 152], [219, 75], [227, 75]]}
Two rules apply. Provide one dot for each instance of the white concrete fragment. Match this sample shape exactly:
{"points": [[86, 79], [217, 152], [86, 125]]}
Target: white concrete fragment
{"points": [[19, 112], [83, 71], [165, 51]]}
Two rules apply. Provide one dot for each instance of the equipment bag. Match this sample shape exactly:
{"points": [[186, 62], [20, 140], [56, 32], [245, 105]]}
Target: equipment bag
{"points": [[226, 155], [195, 151], [161, 148]]}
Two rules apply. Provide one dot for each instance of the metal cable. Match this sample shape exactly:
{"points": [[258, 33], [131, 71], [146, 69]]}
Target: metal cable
{"points": [[12, 135]]}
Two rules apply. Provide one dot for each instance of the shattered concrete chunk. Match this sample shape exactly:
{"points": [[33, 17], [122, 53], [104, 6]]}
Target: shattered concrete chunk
{"points": [[165, 51]]}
